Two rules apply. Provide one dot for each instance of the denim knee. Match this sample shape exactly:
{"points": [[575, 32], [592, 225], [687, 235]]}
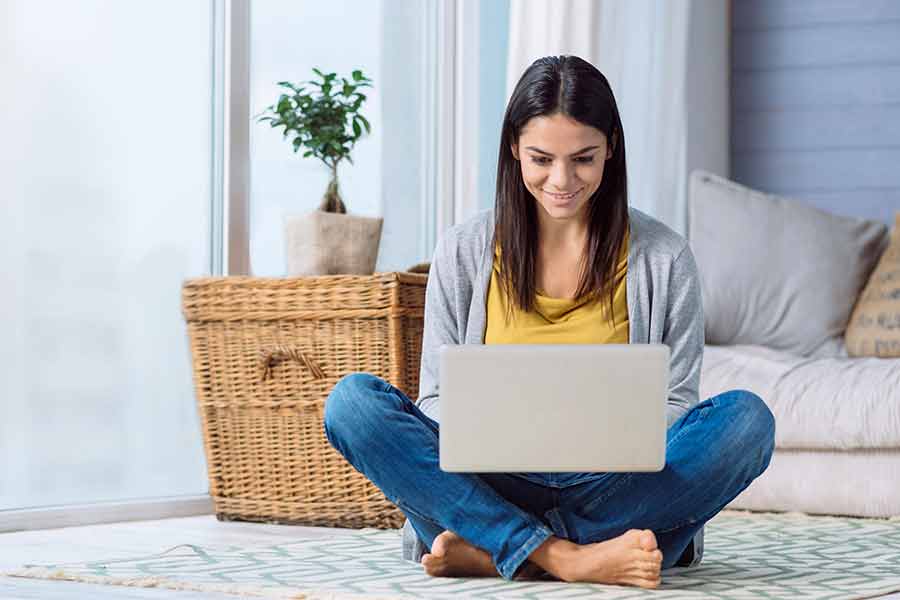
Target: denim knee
{"points": [[757, 411], [346, 403], [757, 420]]}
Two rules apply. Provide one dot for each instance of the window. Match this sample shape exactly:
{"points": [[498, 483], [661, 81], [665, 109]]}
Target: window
{"points": [[106, 210], [390, 43], [113, 163]]}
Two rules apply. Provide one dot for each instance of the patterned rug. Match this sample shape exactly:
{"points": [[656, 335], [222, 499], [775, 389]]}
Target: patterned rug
{"points": [[747, 556]]}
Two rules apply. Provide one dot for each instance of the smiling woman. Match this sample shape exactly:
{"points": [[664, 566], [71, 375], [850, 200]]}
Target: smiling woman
{"points": [[561, 145], [562, 225], [573, 177]]}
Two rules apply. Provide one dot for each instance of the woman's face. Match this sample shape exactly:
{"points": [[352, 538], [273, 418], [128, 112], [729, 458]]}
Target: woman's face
{"points": [[562, 163]]}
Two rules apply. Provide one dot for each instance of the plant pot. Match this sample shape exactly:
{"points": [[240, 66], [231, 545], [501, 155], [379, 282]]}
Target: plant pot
{"points": [[323, 243]]}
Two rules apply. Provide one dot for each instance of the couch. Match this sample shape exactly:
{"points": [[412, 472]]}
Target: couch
{"points": [[780, 280]]}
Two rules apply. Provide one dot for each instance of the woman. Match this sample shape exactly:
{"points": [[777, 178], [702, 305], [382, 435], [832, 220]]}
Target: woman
{"points": [[560, 259]]}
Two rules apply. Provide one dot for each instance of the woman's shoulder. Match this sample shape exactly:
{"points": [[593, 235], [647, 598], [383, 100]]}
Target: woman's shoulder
{"points": [[653, 239], [470, 236], [477, 228], [649, 238], [463, 244]]}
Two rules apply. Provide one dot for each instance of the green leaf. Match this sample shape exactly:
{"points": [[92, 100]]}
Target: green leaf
{"points": [[366, 123], [357, 75], [318, 72], [357, 130], [289, 85], [307, 153]]}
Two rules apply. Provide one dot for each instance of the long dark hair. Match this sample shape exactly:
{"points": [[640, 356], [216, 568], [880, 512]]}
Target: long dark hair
{"points": [[573, 87]]}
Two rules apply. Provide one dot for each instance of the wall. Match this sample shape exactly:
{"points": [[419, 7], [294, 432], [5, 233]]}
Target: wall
{"points": [[816, 102]]}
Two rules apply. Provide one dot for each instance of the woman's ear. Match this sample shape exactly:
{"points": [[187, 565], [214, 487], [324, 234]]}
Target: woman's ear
{"points": [[611, 146], [514, 148]]}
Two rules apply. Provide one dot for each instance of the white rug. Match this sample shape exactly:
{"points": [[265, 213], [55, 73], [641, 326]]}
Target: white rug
{"points": [[750, 556]]}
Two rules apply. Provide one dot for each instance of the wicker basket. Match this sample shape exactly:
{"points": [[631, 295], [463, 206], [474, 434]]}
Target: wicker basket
{"points": [[266, 353]]}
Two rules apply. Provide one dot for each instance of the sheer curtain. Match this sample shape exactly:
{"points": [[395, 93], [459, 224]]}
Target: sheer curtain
{"points": [[667, 64]]}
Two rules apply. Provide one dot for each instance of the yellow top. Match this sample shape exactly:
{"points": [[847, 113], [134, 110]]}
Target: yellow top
{"points": [[558, 320]]}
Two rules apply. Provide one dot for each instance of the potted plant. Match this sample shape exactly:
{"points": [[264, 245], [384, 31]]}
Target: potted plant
{"points": [[326, 122]]}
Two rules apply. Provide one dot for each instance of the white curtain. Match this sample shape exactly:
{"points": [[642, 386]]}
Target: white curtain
{"points": [[643, 48]]}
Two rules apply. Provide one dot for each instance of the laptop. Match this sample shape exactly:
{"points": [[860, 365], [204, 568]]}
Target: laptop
{"points": [[553, 407]]}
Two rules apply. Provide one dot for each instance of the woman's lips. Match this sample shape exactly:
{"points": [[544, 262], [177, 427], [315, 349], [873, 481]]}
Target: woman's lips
{"points": [[563, 197]]}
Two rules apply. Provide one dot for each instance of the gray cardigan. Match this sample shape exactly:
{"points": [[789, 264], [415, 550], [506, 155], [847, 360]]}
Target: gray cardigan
{"points": [[664, 306]]}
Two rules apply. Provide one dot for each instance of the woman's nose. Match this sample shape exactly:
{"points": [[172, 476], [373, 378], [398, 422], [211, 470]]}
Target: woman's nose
{"points": [[560, 176]]}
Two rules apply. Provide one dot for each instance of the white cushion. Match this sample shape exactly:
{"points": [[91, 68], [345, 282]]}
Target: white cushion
{"points": [[775, 272], [861, 483], [818, 403]]}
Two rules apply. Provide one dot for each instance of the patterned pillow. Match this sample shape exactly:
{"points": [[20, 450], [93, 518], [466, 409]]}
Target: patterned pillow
{"points": [[776, 272], [874, 328]]}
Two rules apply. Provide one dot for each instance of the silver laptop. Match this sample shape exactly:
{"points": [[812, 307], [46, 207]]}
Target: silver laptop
{"points": [[553, 407]]}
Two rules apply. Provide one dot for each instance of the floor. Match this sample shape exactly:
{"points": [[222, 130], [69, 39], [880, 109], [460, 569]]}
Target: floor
{"points": [[130, 539]]}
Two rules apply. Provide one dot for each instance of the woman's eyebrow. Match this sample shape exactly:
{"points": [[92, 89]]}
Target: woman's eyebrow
{"points": [[583, 150]]}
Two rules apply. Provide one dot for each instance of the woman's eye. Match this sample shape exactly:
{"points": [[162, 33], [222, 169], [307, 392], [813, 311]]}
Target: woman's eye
{"points": [[542, 160]]}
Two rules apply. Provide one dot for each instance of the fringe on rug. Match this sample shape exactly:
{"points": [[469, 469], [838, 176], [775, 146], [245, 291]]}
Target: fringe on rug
{"points": [[171, 584]]}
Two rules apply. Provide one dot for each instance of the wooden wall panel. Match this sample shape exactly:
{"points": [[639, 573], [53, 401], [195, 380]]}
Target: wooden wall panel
{"points": [[815, 111]]}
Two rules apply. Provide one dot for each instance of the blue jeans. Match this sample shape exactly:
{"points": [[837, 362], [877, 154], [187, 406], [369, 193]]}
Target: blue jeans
{"points": [[713, 452]]}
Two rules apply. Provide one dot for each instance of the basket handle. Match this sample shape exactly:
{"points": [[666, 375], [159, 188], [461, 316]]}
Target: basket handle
{"points": [[272, 356]]}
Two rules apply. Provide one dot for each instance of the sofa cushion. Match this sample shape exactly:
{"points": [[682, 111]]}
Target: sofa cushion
{"points": [[775, 272], [818, 403], [874, 328], [861, 483]]}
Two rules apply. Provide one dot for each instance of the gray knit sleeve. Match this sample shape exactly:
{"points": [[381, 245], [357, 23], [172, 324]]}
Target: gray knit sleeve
{"points": [[441, 321], [683, 333]]}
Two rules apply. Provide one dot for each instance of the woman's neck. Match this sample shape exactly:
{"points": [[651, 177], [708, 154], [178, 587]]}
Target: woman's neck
{"points": [[562, 234]]}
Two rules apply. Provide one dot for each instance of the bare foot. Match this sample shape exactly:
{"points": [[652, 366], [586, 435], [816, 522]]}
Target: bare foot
{"points": [[452, 556], [633, 558]]}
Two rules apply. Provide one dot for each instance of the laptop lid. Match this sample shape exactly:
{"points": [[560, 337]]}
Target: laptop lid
{"points": [[553, 407]]}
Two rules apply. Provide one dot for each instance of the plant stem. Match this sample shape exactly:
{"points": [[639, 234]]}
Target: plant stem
{"points": [[332, 201]]}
